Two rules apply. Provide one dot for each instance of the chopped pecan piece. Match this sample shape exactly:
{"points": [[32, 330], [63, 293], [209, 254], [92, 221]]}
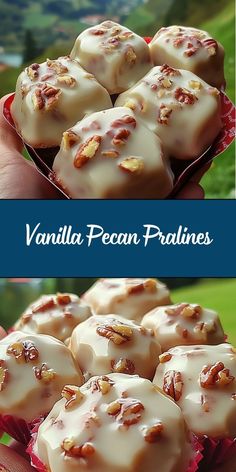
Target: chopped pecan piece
{"points": [[164, 114], [26, 318], [133, 165], [205, 403], [190, 52], [71, 450], [167, 70], [183, 95], [165, 357], [126, 35], [44, 373], [165, 82], [154, 433], [111, 154], [195, 84], [185, 310], [73, 396], [63, 298], [4, 375], [121, 137], [87, 151], [125, 120], [215, 375], [211, 46], [67, 80], [57, 66], [33, 71], [101, 384], [23, 351], [127, 411], [118, 334], [123, 366], [130, 104], [173, 384], [204, 328], [178, 42], [150, 285], [45, 305], [70, 139], [37, 100], [97, 32], [130, 56]]}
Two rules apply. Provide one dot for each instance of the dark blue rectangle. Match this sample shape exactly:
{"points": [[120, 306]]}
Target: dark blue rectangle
{"points": [[178, 260]]}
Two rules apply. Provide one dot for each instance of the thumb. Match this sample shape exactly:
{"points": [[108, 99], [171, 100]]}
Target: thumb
{"points": [[10, 461]]}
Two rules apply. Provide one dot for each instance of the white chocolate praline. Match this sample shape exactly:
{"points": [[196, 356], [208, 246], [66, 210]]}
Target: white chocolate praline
{"points": [[202, 380], [184, 324], [33, 371], [115, 55], [106, 156], [52, 96], [56, 315], [182, 109], [191, 49], [104, 344], [130, 297], [120, 423]]}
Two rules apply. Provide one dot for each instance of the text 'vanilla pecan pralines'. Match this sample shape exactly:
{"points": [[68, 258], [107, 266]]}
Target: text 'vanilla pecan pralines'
{"points": [[52, 96], [130, 297], [184, 324], [191, 49], [182, 109], [104, 344], [56, 315], [33, 371], [114, 423], [202, 380], [106, 156], [115, 55]]}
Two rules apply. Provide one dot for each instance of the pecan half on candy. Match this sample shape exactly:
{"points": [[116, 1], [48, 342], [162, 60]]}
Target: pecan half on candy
{"points": [[215, 375], [173, 384]]}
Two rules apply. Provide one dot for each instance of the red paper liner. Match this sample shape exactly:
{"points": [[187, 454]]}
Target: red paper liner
{"points": [[183, 170], [18, 428], [216, 451]]}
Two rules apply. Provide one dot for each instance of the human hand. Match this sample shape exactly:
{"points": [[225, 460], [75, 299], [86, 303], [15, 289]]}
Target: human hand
{"points": [[20, 179]]}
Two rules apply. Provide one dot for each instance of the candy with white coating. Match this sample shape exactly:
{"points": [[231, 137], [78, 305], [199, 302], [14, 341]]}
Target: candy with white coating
{"points": [[106, 156], [182, 109], [52, 96], [184, 324], [117, 423], [55, 314], [104, 344], [202, 380], [191, 49], [33, 370], [116, 56], [130, 297]]}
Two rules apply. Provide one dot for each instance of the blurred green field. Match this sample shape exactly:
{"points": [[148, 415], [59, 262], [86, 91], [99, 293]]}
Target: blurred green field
{"points": [[218, 294]]}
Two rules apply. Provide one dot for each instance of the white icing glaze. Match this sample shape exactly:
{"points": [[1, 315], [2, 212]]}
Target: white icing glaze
{"points": [[41, 121], [183, 110], [23, 392], [212, 410], [184, 324], [191, 49], [112, 445], [115, 55], [56, 315], [99, 350], [95, 164], [131, 298]]}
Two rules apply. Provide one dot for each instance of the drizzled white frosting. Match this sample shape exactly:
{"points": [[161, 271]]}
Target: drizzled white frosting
{"points": [[131, 298], [207, 402], [106, 156], [51, 97], [99, 348], [108, 444], [56, 315], [115, 55], [191, 49], [184, 324], [31, 383], [182, 109]]}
